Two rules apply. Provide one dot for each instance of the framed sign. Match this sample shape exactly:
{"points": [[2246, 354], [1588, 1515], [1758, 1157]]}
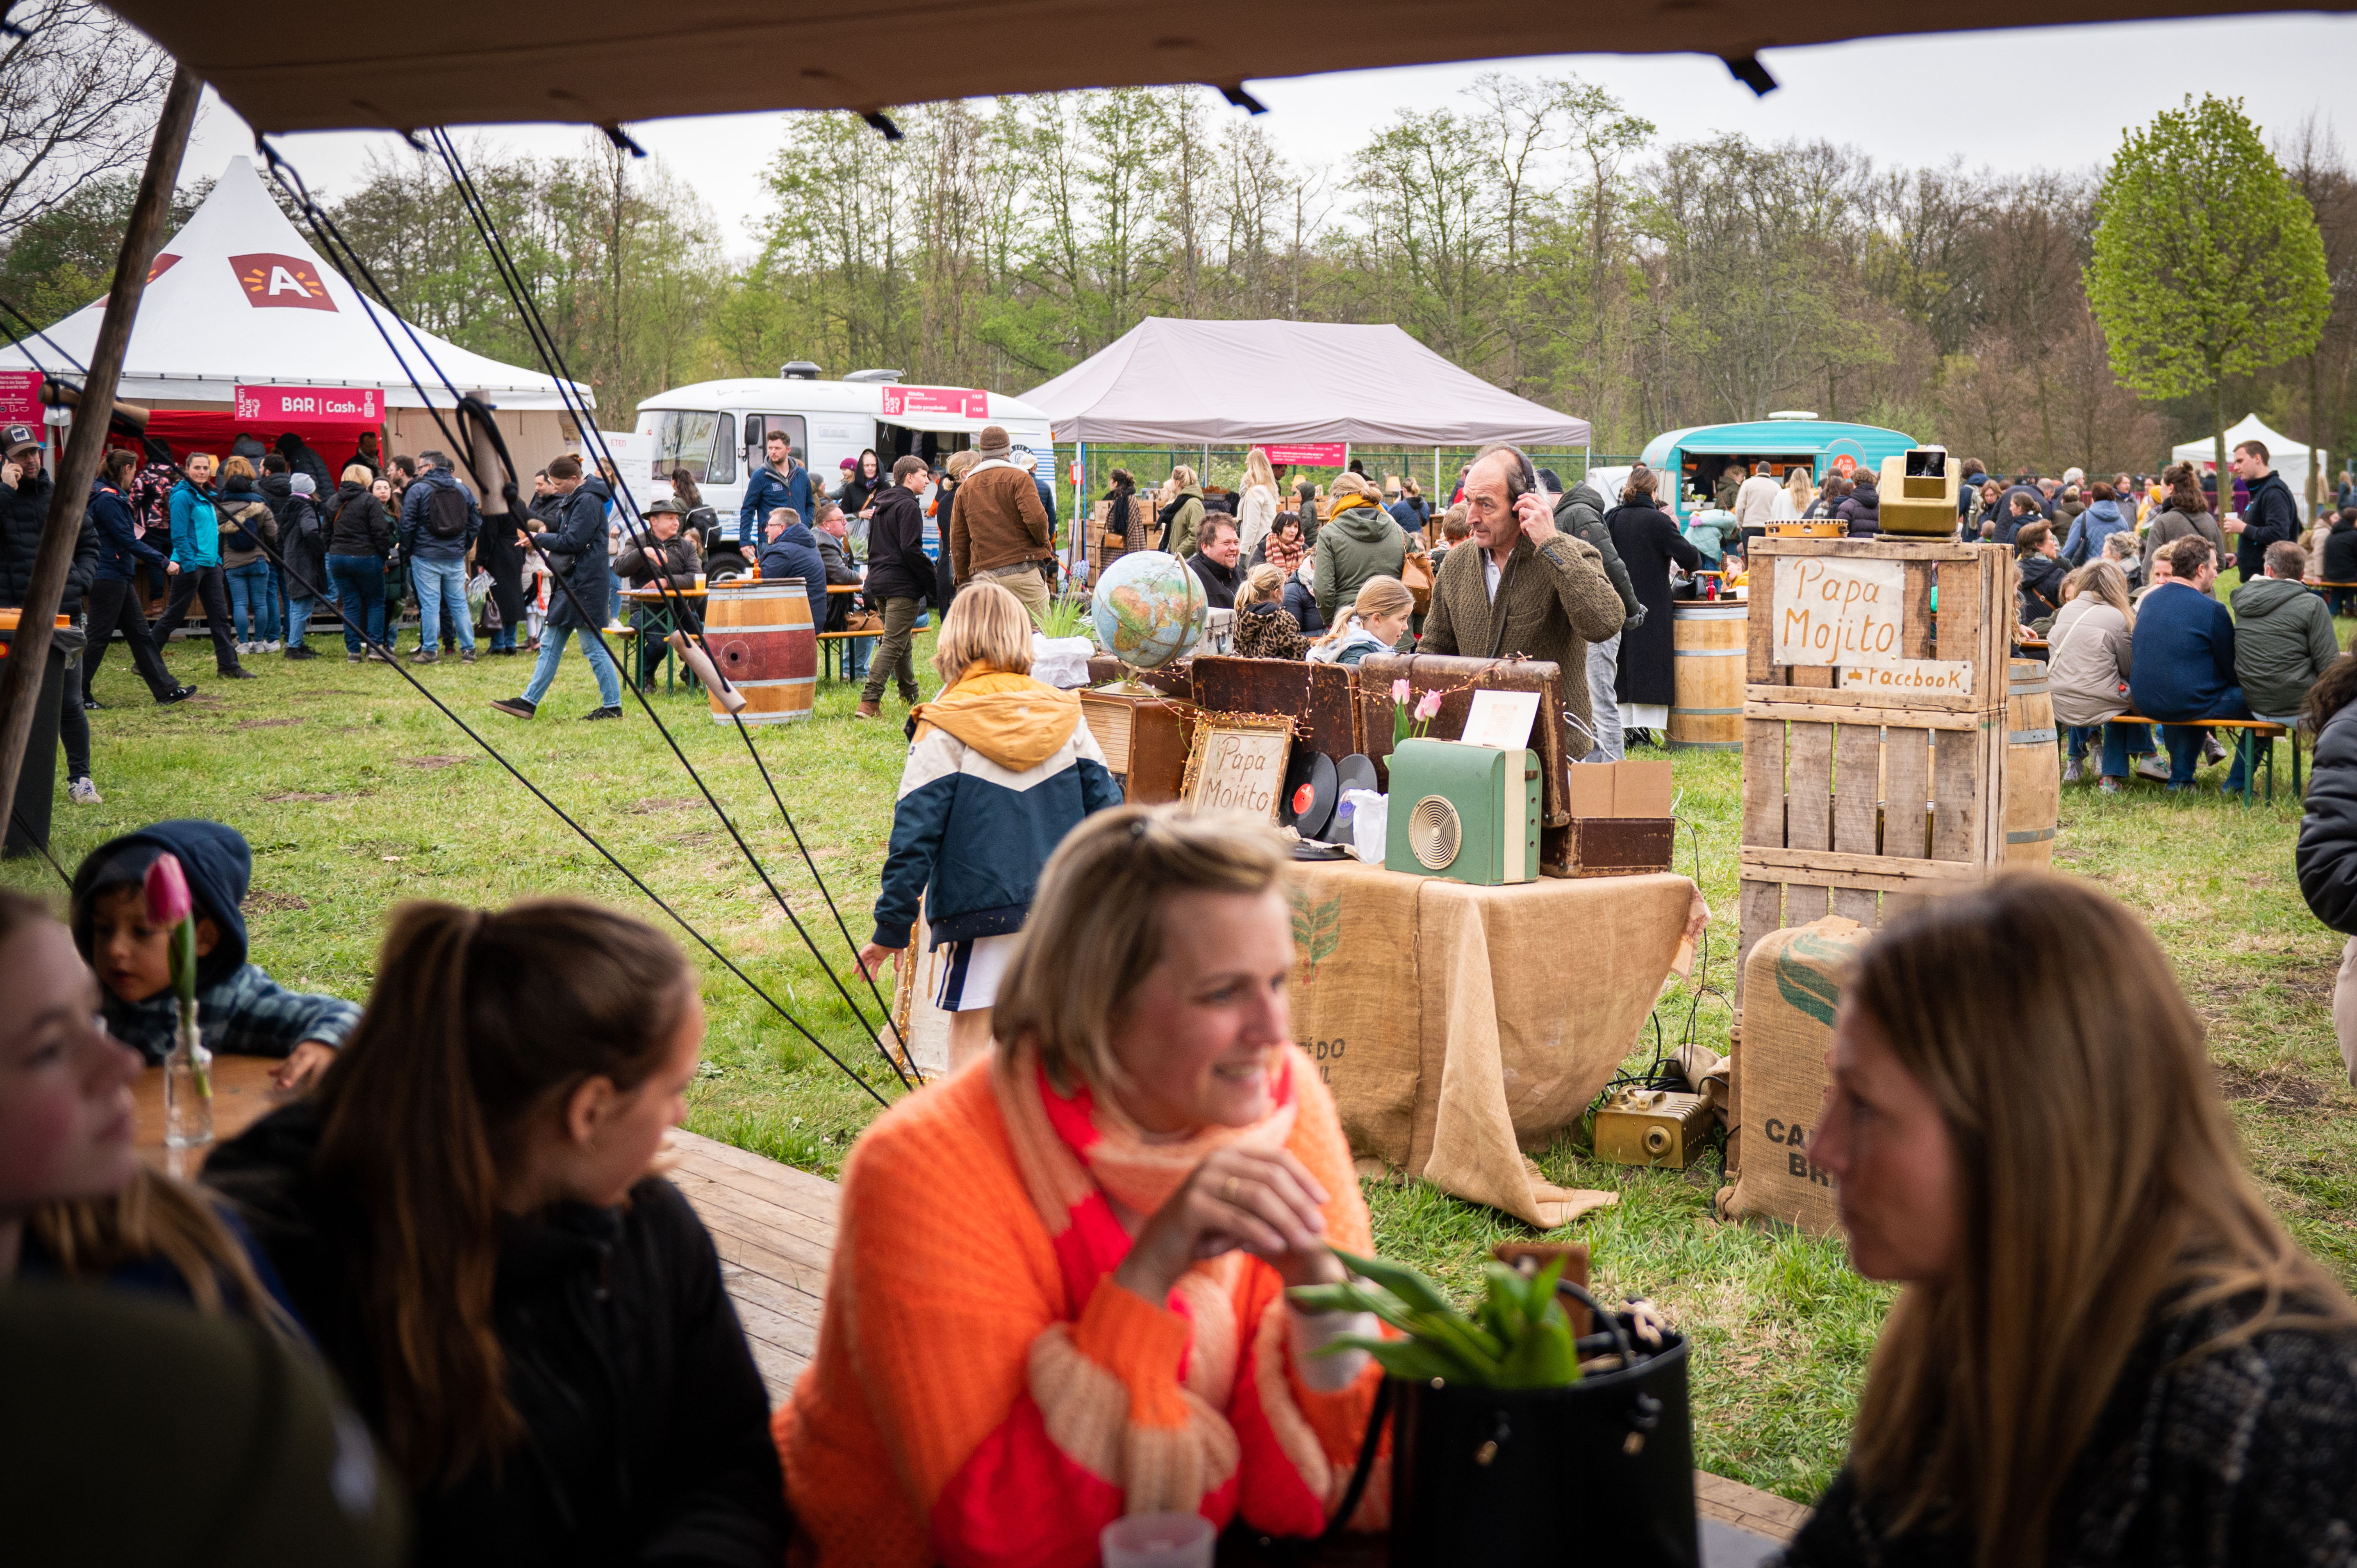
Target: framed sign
{"points": [[1835, 609], [1238, 764]]}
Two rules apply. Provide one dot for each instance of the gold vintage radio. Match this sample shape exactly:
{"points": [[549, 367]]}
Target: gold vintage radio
{"points": [[1652, 1127], [1918, 493]]}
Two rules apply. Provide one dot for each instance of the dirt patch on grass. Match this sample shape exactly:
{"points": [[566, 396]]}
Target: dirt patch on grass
{"points": [[2278, 1088], [433, 762], [269, 724], [662, 804], [302, 796], [274, 902]]}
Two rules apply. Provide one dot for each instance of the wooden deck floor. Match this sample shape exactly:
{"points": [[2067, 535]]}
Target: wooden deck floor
{"points": [[775, 1228]]}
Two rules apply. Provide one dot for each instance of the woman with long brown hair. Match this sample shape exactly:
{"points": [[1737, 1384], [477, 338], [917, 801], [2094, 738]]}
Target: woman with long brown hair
{"points": [[2108, 1351], [464, 1218], [2090, 652]]}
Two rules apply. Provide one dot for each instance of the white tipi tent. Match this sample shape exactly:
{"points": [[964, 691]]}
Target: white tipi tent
{"points": [[2290, 457], [237, 299]]}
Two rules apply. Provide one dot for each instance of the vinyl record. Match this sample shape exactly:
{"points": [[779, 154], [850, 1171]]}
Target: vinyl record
{"points": [[1354, 772], [1309, 789]]}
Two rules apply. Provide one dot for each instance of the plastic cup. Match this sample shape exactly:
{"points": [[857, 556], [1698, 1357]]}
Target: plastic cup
{"points": [[699, 580], [1158, 1541]]}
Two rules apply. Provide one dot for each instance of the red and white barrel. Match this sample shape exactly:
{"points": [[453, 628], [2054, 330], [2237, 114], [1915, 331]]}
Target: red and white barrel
{"points": [[762, 638]]}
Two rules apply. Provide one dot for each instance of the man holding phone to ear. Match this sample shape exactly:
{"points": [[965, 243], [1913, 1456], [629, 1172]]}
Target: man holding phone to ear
{"points": [[1522, 586]]}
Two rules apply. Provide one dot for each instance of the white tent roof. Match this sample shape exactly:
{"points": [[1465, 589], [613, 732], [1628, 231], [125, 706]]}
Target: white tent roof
{"points": [[1248, 382], [238, 299], [2290, 457]]}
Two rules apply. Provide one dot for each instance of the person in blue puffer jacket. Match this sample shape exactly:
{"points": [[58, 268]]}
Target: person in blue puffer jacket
{"points": [[196, 549], [2091, 527], [1000, 768], [778, 482]]}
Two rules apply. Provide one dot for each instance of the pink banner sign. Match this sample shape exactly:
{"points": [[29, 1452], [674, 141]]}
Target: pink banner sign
{"points": [[310, 405], [20, 397], [958, 402], [1319, 455]]}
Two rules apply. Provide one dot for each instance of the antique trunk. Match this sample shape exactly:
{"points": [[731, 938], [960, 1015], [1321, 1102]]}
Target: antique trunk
{"points": [[1322, 698]]}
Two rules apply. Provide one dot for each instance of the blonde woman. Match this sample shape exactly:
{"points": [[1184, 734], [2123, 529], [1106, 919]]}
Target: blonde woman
{"points": [[1000, 770], [1793, 499], [1265, 628], [1181, 513], [2107, 1350], [1375, 623], [1257, 508], [1058, 1291], [2090, 651]]}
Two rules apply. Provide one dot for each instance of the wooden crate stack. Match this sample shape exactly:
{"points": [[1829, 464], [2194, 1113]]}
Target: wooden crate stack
{"points": [[1853, 799]]}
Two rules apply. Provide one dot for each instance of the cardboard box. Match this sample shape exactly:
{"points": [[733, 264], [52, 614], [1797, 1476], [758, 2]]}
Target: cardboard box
{"points": [[1619, 789]]}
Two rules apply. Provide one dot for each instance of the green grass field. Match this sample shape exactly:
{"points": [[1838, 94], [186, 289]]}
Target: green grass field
{"points": [[357, 794]]}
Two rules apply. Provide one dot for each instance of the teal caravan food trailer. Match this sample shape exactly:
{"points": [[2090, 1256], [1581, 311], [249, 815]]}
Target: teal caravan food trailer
{"points": [[1694, 458]]}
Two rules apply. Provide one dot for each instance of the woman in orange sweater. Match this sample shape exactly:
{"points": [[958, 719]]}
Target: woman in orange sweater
{"points": [[1057, 1288]]}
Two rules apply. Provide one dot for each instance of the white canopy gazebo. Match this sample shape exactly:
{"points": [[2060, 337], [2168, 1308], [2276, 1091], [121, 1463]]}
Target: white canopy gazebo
{"points": [[236, 300], [1254, 383]]}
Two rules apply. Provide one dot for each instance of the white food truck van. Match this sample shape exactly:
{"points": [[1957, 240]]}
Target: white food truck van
{"points": [[715, 430]]}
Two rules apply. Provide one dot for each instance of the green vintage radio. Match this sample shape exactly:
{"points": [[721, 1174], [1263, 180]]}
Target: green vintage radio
{"points": [[1470, 813]]}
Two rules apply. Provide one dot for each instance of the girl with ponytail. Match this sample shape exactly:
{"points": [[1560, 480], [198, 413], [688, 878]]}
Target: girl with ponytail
{"points": [[466, 1220], [1375, 622]]}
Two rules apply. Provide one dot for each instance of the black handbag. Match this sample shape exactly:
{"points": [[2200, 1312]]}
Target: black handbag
{"points": [[1484, 1476]]}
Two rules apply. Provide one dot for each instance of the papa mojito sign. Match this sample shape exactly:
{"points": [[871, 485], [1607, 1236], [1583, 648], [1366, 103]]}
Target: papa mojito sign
{"points": [[1836, 610]]}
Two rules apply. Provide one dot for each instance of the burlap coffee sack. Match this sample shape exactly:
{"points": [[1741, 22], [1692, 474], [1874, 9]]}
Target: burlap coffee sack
{"points": [[1354, 992], [1476, 1021], [1791, 986]]}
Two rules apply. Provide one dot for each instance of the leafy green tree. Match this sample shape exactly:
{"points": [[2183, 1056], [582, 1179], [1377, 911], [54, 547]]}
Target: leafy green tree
{"points": [[2207, 261]]}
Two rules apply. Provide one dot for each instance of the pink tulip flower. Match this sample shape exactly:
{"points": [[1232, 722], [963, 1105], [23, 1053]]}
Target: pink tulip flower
{"points": [[167, 892], [1399, 690]]}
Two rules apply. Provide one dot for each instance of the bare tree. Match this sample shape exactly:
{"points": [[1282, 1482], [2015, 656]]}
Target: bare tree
{"points": [[80, 90]]}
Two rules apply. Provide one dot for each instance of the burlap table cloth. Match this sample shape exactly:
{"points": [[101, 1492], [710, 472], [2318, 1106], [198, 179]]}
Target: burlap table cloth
{"points": [[1458, 1025]]}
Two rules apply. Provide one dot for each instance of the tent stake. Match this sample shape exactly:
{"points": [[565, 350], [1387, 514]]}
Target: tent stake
{"points": [[20, 673]]}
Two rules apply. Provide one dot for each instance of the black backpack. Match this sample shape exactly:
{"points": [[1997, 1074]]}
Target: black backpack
{"points": [[446, 511]]}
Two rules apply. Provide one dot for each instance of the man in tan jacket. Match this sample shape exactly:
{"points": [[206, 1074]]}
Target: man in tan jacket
{"points": [[998, 529], [1519, 586]]}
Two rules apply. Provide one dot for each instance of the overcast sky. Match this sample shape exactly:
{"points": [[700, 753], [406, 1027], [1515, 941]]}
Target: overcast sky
{"points": [[2048, 97]]}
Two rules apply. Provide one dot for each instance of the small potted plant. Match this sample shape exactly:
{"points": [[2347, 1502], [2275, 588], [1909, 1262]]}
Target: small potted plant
{"points": [[1513, 1435]]}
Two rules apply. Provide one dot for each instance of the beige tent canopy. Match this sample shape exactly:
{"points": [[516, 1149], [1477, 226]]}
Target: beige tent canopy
{"points": [[1242, 383], [460, 62]]}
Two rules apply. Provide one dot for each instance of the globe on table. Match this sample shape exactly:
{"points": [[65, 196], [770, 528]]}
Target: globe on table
{"points": [[1149, 609]]}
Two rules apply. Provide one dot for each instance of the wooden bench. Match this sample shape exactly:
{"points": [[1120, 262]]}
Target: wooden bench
{"points": [[2246, 732]]}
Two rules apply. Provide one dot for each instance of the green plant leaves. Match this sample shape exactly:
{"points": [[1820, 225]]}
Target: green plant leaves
{"points": [[1519, 1337]]}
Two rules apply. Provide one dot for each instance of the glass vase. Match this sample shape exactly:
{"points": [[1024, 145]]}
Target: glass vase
{"points": [[188, 1087]]}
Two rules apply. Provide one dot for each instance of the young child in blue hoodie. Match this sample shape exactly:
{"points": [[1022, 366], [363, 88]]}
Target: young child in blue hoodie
{"points": [[239, 1009]]}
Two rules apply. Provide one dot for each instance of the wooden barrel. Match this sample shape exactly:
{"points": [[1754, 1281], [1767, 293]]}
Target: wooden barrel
{"points": [[2033, 775], [1710, 641], [762, 638]]}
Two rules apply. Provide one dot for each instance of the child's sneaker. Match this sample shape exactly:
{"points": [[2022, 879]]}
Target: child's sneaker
{"points": [[82, 792]]}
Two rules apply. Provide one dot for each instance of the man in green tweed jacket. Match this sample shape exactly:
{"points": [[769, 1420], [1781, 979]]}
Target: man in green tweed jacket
{"points": [[1522, 587]]}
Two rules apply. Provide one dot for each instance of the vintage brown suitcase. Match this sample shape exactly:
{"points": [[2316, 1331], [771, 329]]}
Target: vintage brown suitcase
{"points": [[1608, 846], [1459, 678], [1322, 698], [1146, 741]]}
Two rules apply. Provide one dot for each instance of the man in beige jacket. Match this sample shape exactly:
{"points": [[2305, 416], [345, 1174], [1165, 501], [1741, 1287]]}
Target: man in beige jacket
{"points": [[997, 529]]}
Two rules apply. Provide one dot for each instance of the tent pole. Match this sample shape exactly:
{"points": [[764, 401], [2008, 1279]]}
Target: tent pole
{"points": [[20, 673]]}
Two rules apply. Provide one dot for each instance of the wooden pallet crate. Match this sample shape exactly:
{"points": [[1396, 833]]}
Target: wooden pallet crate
{"points": [[1855, 802]]}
